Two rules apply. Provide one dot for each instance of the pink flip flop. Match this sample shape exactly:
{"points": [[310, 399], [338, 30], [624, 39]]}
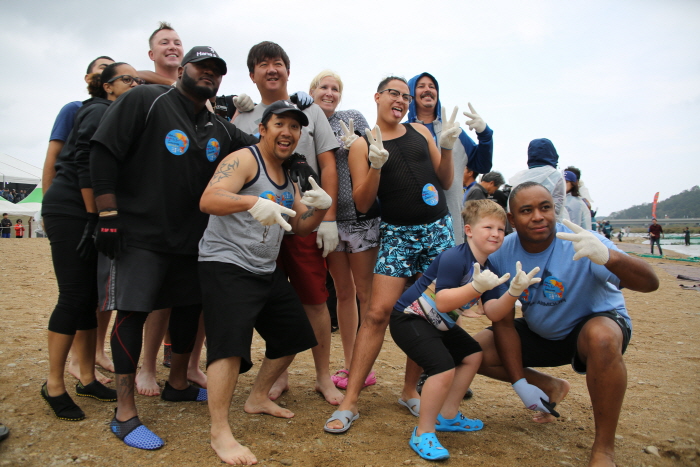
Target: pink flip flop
{"points": [[340, 378]]}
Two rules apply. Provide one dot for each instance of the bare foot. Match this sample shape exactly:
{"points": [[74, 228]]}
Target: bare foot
{"points": [[74, 370], [230, 451], [281, 386], [267, 407], [329, 391], [146, 384], [195, 375], [105, 362], [601, 459], [556, 393]]}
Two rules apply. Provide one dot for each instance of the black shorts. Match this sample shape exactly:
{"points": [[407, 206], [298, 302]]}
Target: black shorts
{"points": [[236, 301], [540, 352], [434, 350], [144, 280]]}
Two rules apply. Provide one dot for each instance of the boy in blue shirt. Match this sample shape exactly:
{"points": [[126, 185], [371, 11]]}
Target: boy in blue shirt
{"points": [[423, 325]]}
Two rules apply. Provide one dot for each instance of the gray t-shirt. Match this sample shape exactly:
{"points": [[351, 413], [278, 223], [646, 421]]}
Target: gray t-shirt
{"points": [[240, 239], [316, 138]]}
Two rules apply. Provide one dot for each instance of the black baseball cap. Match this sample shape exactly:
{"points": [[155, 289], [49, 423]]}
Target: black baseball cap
{"points": [[199, 53], [280, 107]]}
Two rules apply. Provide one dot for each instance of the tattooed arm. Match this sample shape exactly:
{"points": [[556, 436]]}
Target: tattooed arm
{"points": [[221, 195], [308, 218]]}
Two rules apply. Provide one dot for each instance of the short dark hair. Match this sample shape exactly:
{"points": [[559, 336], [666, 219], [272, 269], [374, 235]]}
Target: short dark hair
{"points": [[96, 80], [265, 50], [383, 83], [92, 63], [163, 25], [517, 189], [495, 177], [575, 170]]}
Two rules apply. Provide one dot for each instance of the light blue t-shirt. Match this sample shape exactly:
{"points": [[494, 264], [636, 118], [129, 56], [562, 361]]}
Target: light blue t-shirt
{"points": [[569, 291]]}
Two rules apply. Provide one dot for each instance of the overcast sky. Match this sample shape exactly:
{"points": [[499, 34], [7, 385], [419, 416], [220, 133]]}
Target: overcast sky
{"points": [[614, 84]]}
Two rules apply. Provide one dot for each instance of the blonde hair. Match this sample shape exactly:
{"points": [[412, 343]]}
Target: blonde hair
{"points": [[316, 82], [477, 209]]}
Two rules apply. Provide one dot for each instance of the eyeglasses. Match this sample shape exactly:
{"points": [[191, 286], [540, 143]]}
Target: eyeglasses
{"points": [[127, 79], [407, 98]]}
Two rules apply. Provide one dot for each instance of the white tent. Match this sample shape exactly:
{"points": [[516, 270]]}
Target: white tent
{"points": [[20, 209], [13, 170]]}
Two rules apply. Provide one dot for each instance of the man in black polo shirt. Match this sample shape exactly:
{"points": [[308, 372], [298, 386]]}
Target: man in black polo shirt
{"points": [[151, 159]]}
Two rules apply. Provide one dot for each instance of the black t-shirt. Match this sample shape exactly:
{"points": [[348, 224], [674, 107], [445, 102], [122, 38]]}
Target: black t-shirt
{"points": [[156, 155], [5, 225], [73, 163]]}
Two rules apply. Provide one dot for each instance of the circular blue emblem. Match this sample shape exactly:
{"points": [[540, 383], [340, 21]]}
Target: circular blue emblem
{"points": [[177, 142], [553, 288], [430, 195], [213, 149], [287, 200]]}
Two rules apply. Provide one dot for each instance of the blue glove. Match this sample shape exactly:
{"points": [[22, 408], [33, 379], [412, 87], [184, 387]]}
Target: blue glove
{"points": [[301, 99], [533, 397]]}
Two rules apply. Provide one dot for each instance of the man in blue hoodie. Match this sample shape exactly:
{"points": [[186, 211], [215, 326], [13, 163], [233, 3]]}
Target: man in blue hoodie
{"points": [[427, 109]]}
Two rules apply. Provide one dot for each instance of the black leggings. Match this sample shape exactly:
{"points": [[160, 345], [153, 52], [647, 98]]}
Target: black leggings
{"points": [[127, 335], [77, 278]]}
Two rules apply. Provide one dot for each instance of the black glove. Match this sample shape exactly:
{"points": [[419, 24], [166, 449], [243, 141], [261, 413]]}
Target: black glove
{"points": [[109, 236], [86, 248], [300, 171], [301, 100]]}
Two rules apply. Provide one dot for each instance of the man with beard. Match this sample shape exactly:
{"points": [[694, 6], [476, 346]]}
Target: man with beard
{"points": [[427, 109], [151, 159], [576, 315]]}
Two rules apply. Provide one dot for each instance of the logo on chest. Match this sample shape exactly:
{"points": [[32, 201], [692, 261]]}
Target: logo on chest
{"points": [[213, 149], [553, 289], [430, 194], [177, 142]]}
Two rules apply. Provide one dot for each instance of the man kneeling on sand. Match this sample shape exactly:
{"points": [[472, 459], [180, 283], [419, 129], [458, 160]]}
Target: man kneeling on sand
{"points": [[249, 199], [576, 314]]}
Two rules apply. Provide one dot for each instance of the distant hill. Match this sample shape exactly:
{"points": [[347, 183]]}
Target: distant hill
{"points": [[684, 204]]}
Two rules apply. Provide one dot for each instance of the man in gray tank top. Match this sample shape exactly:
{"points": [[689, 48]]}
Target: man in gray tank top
{"points": [[252, 202]]}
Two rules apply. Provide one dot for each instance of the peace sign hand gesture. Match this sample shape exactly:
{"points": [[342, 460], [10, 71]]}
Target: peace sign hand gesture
{"points": [[349, 135], [476, 123], [450, 130], [377, 154]]}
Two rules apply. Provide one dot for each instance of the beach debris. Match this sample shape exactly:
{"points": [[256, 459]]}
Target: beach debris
{"points": [[652, 450]]}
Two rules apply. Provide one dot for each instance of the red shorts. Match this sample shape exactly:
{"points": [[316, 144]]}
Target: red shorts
{"points": [[304, 264]]}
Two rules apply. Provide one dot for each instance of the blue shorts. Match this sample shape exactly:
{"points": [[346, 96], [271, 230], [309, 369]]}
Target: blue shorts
{"points": [[407, 250]]}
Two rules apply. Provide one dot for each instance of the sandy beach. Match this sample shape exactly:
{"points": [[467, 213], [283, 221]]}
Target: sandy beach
{"points": [[661, 409]]}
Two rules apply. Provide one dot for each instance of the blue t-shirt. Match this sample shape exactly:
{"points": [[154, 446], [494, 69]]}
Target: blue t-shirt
{"points": [[570, 290], [451, 268], [64, 121]]}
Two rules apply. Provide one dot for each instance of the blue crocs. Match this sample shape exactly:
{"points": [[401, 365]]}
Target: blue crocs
{"points": [[428, 447], [459, 423], [135, 434]]}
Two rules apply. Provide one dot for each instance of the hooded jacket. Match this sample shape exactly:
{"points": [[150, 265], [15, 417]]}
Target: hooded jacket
{"points": [[466, 153]]}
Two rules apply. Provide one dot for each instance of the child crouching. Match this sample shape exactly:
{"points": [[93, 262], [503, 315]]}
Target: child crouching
{"points": [[423, 326]]}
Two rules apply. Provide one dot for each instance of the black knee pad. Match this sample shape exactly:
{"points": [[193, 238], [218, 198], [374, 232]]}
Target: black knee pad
{"points": [[126, 340]]}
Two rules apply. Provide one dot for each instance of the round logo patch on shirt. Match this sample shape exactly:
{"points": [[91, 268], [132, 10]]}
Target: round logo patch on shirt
{"points": [[553, 288], [430, 195], [525, 296], [287, 200], [177, 142], [213, 149], [269, 195]]}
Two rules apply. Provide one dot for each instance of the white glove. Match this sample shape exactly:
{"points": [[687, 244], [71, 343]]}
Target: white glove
{"points": [[487, 280], [585, 243], [450, 130], [476, 123], [327, 237], [269, 213], [522, 281], [349, 135], [532, 396], [377, 154], [316, 197], [243, 103]]}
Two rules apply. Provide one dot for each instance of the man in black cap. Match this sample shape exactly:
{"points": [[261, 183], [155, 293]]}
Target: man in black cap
{"points": [[251, 199], [151, 159]]}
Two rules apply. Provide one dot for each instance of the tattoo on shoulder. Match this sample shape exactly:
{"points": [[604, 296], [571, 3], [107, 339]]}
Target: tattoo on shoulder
{"points": [[310, 212], [224, 171]]}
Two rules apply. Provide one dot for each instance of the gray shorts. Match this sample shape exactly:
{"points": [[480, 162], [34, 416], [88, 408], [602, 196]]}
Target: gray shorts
{"points": [[144, 280], [357, 236]]}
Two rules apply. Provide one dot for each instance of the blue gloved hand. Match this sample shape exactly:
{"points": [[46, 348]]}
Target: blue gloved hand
{"points": [[533, 397], [301, 99]]}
